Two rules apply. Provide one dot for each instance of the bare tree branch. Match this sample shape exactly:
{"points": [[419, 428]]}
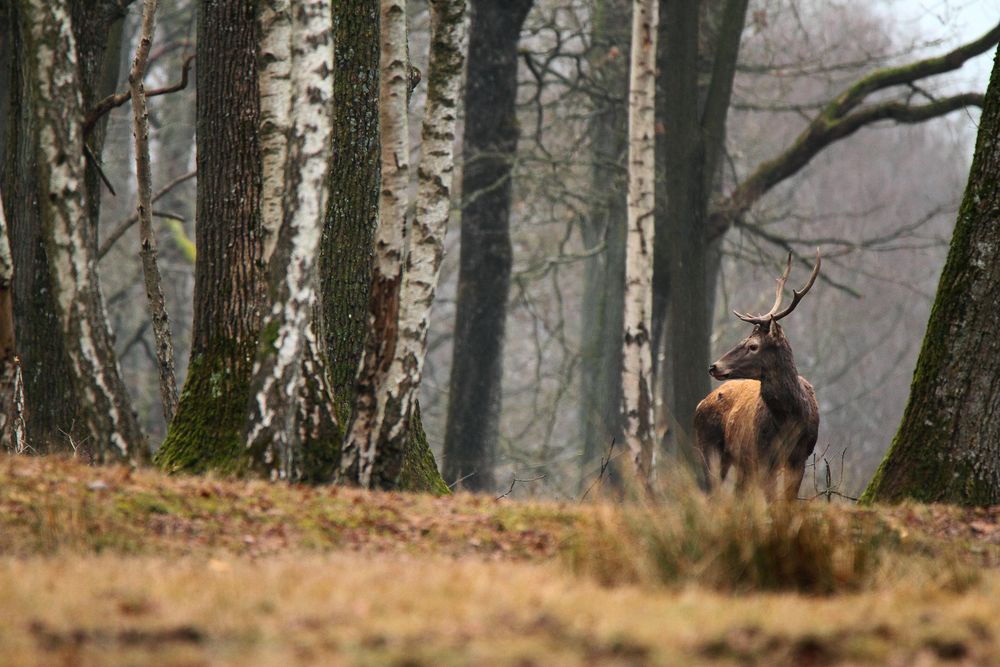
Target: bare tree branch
{"points": [[836, 122]]}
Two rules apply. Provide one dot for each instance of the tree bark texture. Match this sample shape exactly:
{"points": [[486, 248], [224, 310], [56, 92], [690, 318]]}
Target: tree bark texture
{"points": [[292, 429], [603, 294], [11, 414], [346, 259], [163, 342], [947, 449], [637, 364], [230, 290], [361, 461], [426, 242], [51, 398], [489, 144], [110, 426], [347, 246]]}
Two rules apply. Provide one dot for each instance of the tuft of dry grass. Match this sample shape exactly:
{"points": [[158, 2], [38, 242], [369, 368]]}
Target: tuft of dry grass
{"points": [[743, 544]]}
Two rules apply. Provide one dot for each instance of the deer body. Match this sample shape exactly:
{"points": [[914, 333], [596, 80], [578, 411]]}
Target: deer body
{"points": [[764, 420]]}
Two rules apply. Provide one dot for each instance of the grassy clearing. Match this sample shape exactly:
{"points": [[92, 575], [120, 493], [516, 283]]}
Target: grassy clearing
{"points": [[106, 566]]}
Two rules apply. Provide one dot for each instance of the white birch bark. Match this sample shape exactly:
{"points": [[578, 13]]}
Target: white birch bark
{"points": [[359, 452], [144, 187], [275, 81], [637, 355], [111, 427], [11, 420], [291, 405]]}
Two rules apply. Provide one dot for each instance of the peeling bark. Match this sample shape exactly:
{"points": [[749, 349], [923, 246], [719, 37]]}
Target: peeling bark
{"points": [[426, 247], [637, 357], [144, 186], [346, 255], [360, 449], [110, 427], [292, 431], [8, 355]]}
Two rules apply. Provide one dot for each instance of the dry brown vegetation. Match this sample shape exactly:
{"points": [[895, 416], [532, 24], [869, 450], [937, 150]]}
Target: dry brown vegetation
{"points": [[112, 566]]}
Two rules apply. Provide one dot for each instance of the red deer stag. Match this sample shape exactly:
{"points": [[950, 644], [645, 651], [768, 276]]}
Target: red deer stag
{"points": [[764, 420]]}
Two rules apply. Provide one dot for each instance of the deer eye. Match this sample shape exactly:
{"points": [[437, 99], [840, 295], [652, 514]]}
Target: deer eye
{"points": [[753, 347]]}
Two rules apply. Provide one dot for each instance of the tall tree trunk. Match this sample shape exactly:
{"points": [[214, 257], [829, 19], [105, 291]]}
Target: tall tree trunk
{"points": [[110, 426], [490, 140], [603, 293], [693, 116], [53, 405], [637, 365], [10, 411], [207, 432], [292, 430], [347, 247], [947, 449], [372, 411]]}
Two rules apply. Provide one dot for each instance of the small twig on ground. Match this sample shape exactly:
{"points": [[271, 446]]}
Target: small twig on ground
{"points": [[515, 480]]}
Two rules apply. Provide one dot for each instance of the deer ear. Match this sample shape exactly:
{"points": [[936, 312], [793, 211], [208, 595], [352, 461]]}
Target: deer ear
{"points": [[765, 326]]}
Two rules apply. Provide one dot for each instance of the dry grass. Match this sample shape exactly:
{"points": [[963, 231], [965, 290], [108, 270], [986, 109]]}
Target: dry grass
{"points": [[115, 567]]}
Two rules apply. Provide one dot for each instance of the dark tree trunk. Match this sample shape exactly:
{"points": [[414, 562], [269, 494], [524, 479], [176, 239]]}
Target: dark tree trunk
{"points": [[229, 270], [490, 140], [347, 246], [55, 417], [604, 286], [693, 118], [681, 239], [948, 445]]}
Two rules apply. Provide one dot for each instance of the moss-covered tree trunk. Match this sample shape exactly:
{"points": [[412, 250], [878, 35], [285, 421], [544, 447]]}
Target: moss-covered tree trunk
{"points": [[229, 293], [347, 246], [947, 448], [490, 140]]}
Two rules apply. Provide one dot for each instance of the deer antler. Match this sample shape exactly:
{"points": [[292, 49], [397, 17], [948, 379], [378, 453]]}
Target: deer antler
{"points": [[773, 315]]}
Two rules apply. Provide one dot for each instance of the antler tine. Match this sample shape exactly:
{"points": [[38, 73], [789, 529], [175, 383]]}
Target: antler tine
{"points": [[761, 319], [798, 294]]}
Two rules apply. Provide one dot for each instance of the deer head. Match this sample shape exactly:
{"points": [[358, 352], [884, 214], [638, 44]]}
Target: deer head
{"points": [[766, 346]]}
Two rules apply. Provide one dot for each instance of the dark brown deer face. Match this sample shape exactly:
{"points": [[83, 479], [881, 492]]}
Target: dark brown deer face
{"points": [[761, 349], [751, 356]]}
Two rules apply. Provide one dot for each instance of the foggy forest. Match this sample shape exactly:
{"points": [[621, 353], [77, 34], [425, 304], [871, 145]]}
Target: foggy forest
{"points": [[475, 332]]}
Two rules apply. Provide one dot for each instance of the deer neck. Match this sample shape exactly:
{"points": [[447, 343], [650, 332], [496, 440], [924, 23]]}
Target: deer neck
{"points": [[780, 388]]}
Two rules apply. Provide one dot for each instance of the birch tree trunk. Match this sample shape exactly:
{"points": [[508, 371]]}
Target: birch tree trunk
{"points": [[292, 430], [637, 357], [110, 427], [423, 264], [369, 416], [51, 396], [144, 187], [11, 409], [347, 249]]}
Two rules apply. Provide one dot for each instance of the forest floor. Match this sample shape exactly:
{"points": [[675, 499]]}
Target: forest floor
{"points": [[113, 566]]}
